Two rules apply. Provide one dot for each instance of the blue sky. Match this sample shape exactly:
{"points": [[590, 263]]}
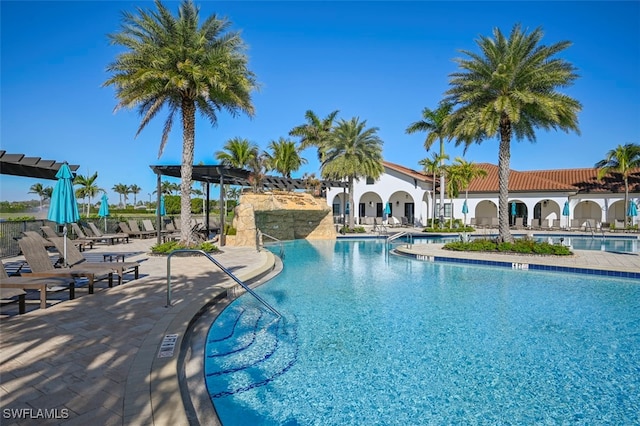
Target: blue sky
{"points": [[380, 61]]}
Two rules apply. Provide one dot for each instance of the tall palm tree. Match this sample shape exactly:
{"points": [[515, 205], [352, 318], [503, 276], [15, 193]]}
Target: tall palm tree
{"points": [[121, 189], [237, 152], [135, 190], [173, 62], [284, 157], [464, 172], [315, 132], [40, 191], [88, 188], [433, 122], [353, 152], [623, 159], [434, 166], [510, 89]]}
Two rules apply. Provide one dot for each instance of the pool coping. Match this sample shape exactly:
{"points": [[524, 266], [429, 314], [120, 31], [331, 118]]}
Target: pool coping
{"points": [[154, 386], [435, 253]]}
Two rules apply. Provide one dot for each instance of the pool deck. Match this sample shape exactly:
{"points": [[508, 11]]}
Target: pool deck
{"points": [[96, 358]]}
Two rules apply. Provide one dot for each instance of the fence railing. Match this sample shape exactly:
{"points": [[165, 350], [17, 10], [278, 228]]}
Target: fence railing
{"points": [[11, 230]]}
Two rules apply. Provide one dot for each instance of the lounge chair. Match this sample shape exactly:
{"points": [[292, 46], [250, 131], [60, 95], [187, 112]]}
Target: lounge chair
{"points": [[394, 222], [37, 236], [519, 223], [80, 233], [378, 226], [7, 294], [41, 266], [75, 259], [96, 232], [535, 224], [78, 242], [148, 226], [18, 284], [556, 224], [133, 225]]}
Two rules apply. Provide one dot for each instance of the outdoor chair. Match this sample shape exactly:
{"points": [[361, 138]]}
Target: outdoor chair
{"points": [[96, 231], [37, 236], [17, 284], [378, 226], [535, 224], [75, 259], [519, 223], [133, 225], [78, 242], [80, 233], [40, 264], [148, 226]]}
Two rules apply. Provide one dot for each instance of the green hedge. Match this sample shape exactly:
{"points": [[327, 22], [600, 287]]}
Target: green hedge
{"points": [[522, 245]]}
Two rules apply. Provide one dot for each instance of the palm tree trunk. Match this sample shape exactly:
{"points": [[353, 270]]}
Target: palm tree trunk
{"points": [[442, 180], [186, 170], [626, 201], [433, 222], [504, 157], [351, 206]]}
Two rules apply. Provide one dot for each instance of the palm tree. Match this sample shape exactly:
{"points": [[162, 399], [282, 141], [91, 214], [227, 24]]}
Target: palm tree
{"points": [[464, 172], [135, 190], [623, 159], [257, 165], [315, 132], [88, 188], [353, 152], [237, 152], [40, 191], [433, 123], [167, 188], [284, 157], [121, 189], [507, 90], [434, 166], [312, 183], [48, 192], [173, 62]]}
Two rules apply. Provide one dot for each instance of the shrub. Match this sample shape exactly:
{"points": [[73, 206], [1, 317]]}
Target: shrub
{"points": [[169, 246], [522, 245]]}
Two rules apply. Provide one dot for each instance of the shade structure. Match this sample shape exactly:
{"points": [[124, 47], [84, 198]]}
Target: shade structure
{"points": [[632, 210], [465, 208], [64, 206], [104, 209], [161, 209]]}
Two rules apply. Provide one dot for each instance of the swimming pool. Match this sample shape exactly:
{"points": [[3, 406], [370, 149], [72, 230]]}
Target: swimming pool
{"points": [[375, 339], [612, 244]]}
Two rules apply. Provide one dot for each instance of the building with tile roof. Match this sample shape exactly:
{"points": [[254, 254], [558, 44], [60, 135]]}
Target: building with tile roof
{"points": [[537, 198]]}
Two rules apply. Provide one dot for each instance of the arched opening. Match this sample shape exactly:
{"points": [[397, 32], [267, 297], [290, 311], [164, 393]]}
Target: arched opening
{"points": [[369, 207]]}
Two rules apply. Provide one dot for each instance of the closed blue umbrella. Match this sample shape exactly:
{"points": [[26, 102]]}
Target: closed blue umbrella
{"points": [[633, 209], [513, 208], [565, 212], [163, 211], [104, 209], [465, 210], [387, 211], [64, 207], [346, 209]]}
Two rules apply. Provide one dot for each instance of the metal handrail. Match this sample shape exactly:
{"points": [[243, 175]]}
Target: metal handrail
{"points": [[225, 270], [401, 234], [276, 240]]}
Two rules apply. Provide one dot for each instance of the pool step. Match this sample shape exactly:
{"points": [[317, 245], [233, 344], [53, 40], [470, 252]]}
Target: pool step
{"points": [[248, 348]]}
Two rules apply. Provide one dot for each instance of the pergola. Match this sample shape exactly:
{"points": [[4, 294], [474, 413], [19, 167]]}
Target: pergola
{"points": [[225, 175], [33, 167]]}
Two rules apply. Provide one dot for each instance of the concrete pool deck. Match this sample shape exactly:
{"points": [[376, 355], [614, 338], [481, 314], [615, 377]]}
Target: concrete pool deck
{"points": [[95, 359]]}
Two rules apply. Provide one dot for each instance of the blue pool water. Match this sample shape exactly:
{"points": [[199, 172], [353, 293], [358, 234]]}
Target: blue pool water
{"points": [[370, 338], [612, 244]]}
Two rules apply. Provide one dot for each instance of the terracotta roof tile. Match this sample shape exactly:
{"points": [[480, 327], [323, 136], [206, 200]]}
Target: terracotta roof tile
{"points": [[563, 180]]}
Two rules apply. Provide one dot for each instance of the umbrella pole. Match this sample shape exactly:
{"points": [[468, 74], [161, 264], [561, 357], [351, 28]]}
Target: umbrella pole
{"points": [[64, 241]]}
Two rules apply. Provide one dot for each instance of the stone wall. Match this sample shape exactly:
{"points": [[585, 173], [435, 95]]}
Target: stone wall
{"points": [[283, 215]]}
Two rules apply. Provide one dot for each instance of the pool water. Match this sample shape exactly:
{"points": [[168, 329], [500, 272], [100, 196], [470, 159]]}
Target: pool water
{"points": [[611, 244], [369, 338]]}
